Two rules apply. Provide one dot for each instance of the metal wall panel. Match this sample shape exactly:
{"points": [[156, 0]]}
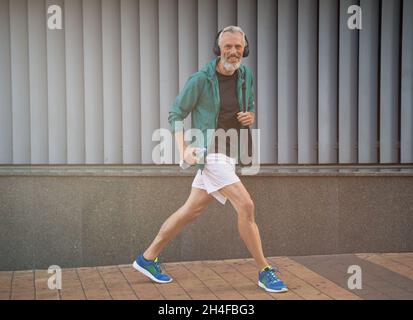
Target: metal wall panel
{"points": [[56, 82], [348, 87], [92, 52], [227, 13], [38, 83], [131, 109], [307, 87], [368, 83], [188, 43], [287, 81], [389, 81], [267, 78], [6, 111], [95, 92], [207, 30], [247, 20], [149, 76], [75, 86], [168, 62], [406, 139], [112, 81], [20, 82], [327, 81]]}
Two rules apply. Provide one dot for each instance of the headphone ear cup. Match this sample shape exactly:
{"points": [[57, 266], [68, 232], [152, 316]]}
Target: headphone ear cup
{"points": [[247, 48], [216, 49]]}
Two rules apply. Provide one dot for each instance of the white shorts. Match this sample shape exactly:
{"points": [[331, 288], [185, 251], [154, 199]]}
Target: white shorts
{"points": [[219, 171]]}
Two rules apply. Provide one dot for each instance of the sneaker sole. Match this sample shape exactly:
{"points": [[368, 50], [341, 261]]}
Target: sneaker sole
{"points": [[148, 274], [261, 285]]}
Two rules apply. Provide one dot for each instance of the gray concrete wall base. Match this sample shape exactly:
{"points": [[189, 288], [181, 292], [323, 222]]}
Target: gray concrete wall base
{"points": [[74, 221]]}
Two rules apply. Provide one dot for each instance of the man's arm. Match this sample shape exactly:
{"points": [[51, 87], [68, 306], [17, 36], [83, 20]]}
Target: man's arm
{"points": [[180, 142], [185, 102], [186, 153], [248, 118]]}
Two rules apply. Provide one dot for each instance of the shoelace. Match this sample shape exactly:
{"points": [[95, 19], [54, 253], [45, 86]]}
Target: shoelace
{"points": [[272, 276], [158, 266]]}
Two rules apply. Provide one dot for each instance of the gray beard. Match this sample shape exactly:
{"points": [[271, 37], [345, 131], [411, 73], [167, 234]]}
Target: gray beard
{"points": [[230, 67]]}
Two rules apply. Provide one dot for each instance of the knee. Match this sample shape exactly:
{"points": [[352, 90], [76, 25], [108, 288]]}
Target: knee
{"points": [[247, 208], [194, 211], [248, 205]]}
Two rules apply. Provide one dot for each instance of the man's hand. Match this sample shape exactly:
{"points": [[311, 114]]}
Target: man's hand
{"points": [[246, 118], [190, 155]]}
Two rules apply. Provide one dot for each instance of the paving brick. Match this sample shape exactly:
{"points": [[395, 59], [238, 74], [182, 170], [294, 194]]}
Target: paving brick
{"points": [[402, 258], [193, 286], [389, 263], [378, 283], [213, 281], [144, 288], [41, 279], [172, 291], [23, 286], [5, 284], [249, 270], [117, 284], [242, 284], [324, 285], [93, 284], [305, 290], [385, 276], [71, 286]]}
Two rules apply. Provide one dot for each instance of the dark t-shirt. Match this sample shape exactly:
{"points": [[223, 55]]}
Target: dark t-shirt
{"points": [[227, 118]]}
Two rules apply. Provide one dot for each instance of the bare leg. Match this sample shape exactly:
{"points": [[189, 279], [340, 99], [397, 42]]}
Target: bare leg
{"points": [[193, 207], [248, 229]]}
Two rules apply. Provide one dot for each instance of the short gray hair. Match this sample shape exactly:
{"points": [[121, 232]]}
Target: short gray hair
{"points": [[232, 29]]}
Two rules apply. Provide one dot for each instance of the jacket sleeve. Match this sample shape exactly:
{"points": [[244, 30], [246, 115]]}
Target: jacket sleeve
{"points": [[184, 103]]}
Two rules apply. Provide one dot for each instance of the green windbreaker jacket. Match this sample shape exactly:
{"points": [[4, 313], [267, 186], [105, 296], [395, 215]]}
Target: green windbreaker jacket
{"points": [[200, 97]]}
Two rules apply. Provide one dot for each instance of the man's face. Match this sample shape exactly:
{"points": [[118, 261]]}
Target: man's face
{"points": [[232, 49]]}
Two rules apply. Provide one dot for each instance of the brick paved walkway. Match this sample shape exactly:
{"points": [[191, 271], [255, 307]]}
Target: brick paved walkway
{"points": [[384, 276]]}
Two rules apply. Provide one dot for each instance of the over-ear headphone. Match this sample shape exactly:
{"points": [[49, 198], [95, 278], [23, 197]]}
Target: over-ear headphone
{"points": [[217, 50]]}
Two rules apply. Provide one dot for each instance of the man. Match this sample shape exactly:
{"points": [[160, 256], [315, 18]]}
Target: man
{"points": [[215, 97]]}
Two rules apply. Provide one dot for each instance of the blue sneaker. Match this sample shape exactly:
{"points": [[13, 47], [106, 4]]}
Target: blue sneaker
{"points": [[151, 269], [269, 281]]}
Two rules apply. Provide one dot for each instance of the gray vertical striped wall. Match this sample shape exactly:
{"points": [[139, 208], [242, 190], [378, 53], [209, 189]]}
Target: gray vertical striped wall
{"points": [[94, 92]]}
